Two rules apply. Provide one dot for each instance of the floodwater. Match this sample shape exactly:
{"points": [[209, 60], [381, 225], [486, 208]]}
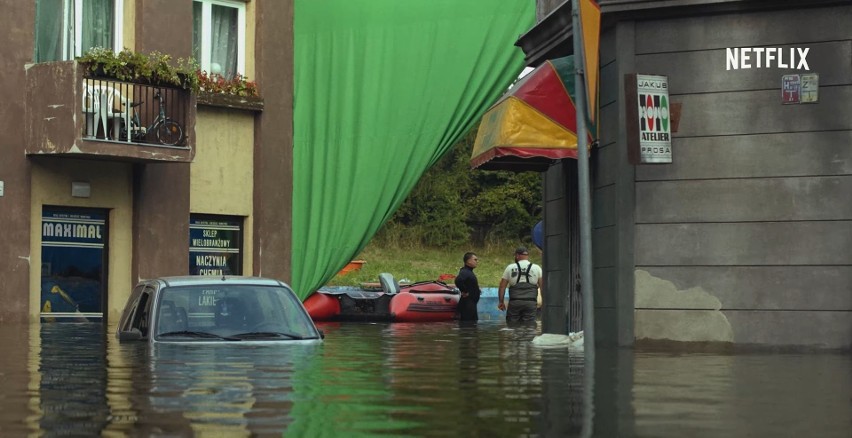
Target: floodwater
{"points": [[407, 380]]}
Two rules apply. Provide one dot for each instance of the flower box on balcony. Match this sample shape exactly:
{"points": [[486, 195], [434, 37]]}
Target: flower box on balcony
{"points": [[248, 103]]}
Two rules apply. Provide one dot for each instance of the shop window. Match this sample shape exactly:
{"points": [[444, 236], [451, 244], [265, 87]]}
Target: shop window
{"points": [[218, 36], [65, 29]]}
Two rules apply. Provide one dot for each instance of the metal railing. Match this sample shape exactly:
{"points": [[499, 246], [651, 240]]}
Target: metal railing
{"points": [[134, 113]]}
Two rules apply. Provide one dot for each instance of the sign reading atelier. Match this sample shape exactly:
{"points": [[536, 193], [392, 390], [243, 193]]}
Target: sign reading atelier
{"points": [[214, 247], [655, 144]]}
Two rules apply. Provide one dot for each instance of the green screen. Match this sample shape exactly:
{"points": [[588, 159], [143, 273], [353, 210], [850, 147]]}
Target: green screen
{"points": [[383, 88]]}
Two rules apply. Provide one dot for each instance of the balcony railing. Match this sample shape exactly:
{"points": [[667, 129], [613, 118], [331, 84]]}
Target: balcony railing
{"points": [[133, 113], [72, 115]]}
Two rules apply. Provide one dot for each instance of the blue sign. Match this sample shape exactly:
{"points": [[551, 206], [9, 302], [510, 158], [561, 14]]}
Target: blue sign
{"points": [[214, 246], [72, 263]]}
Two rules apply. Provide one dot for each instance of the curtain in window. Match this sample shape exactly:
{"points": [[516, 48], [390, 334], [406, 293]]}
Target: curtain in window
{"points": [[49, 30], [98, 24], [55, 21], [196, 30], [223, 47], [382, 89]]}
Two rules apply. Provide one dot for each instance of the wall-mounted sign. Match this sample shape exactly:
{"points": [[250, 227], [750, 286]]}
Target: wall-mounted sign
{"points": [[215, 243], [800, 88], [648, 119], [73, 264], [810, 88], [790, 89]]}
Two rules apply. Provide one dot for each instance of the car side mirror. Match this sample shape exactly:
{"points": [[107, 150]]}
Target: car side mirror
{"points": [[322, 334], [133, 334]]}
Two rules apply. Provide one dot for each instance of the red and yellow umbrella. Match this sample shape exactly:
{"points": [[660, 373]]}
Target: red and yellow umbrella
{"points": [[533, 124]]}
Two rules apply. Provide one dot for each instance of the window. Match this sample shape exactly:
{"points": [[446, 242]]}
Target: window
{"points": [[65, 29], [218, 36]]}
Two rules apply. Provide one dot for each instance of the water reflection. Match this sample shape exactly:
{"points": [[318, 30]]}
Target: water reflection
{"points": [[405, 380]]}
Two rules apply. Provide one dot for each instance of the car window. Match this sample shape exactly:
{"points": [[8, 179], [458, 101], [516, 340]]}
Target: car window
{"points": [[229, 309], [132, 301], [142, 316]]}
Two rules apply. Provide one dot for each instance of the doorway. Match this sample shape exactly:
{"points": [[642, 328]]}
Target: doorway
{"points": [[73, 264]]}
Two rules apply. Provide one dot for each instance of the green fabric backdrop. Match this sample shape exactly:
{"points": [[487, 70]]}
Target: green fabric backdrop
{"points": [[383, 88]]}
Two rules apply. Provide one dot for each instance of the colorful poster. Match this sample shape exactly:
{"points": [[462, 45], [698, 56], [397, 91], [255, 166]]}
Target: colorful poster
{"points": [[655, 144]]}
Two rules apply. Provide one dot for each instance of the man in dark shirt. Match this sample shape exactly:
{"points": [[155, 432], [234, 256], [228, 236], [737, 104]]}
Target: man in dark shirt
{"points": [[469, 287]]}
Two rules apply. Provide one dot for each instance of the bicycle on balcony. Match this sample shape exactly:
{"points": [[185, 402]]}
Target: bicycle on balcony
{"points": [[166, 130]]}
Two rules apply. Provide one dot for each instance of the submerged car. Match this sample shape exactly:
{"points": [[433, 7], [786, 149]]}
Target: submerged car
{"points": [[215, 309]]}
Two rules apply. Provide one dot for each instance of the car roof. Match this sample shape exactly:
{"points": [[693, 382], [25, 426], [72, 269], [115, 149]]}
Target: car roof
{"points": [[201, 280]]}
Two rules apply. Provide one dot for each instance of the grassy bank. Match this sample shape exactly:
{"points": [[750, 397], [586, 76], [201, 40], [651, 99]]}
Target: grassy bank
{"points": [[418, 264]]}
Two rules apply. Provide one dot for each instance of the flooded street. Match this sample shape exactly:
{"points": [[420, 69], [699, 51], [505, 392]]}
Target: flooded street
{"points": [[406, 380]]}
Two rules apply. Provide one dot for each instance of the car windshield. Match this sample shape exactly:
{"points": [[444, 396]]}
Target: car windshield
{"points": [[232, 312]]}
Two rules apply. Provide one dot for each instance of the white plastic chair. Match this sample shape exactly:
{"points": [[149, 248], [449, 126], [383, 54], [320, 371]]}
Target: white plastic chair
{"points": [[93, 103], [118, 110]]}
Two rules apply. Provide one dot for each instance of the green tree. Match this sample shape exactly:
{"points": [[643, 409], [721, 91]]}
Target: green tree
{"points": [[453, 204]]}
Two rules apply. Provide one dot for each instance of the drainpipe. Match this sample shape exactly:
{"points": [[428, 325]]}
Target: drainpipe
{"points": [[585, 224]]}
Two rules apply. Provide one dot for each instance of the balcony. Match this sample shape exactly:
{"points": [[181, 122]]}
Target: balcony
{"points": [[71, 115]]}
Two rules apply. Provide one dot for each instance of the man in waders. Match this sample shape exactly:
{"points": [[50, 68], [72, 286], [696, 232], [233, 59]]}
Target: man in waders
{"points": [[524, 280]]}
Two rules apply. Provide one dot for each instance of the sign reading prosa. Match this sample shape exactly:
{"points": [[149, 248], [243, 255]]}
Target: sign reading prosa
{"points": [[655, 144]]}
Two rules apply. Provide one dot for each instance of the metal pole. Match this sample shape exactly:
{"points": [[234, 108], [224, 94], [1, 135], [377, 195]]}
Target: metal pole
{"points": [[585, 224]]}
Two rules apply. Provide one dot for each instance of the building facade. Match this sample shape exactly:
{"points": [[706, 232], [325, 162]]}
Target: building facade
{"points": [[87, 205], [745, 238]]}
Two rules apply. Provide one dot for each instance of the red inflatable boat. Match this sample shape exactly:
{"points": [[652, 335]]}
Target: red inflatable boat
{"points": [[425, 301]]}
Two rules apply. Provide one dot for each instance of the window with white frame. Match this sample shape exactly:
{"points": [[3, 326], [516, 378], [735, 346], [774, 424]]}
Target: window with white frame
{"points": [[65, 29], [219, 36]]}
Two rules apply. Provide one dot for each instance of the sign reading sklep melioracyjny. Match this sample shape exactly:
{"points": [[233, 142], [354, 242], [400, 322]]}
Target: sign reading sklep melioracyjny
{"points": [[655, 143]]}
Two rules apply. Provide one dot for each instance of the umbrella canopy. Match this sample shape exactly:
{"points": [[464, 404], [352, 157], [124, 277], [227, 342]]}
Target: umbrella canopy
{"points": [[533, 124]]}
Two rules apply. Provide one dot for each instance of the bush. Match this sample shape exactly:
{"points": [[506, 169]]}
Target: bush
{"points": [[453, 205]]}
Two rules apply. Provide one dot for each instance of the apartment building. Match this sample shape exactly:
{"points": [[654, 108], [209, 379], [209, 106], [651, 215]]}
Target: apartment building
{"points": [[94, 194]]}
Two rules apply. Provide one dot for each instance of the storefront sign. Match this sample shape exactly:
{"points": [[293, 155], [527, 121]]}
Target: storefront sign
{"points": [[72, 264], [214, 246]]}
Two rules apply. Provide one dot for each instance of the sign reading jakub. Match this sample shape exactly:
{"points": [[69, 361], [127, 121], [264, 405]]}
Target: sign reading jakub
{"points": [[655, 144]]}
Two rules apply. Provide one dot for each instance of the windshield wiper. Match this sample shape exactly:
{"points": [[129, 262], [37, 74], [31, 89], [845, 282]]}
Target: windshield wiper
{"points": [[194, 334], [250, 335]]}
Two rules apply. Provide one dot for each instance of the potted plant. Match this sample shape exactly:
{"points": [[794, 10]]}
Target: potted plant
{"points": [[237, 92], [154, 68]]}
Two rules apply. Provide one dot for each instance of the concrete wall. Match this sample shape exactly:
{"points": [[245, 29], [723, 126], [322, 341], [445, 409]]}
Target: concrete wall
{"points": [[17, 50], [221, 175], [111, 190], [613, 195], [746, 236], [161, 191], [273, 154]]}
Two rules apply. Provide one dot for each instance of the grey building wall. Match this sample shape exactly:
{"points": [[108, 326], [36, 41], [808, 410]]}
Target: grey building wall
{"points": [[747, 236], [613, 194]]}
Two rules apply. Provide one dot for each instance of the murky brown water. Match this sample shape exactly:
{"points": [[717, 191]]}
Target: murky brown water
{"points": [[406, 380]]}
